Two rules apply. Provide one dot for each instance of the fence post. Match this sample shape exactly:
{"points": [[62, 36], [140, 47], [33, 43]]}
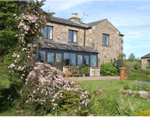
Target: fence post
{"points": [[122, 73]]}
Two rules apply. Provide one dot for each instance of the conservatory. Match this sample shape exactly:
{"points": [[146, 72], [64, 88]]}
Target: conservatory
{"points": [[64, 56]]}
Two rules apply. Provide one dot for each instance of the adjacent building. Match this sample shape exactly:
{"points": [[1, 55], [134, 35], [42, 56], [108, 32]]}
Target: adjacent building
{"points": [[145, 61]]}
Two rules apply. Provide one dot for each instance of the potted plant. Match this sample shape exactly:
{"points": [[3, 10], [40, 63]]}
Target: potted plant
{"points": [[84, 70], [74, 68]]}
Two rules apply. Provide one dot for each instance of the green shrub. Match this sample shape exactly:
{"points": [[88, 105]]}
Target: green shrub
{"points": [[84, 70], [126, 87], [107, 69], [140, 87], [136, 65], [143, 113], [138, 77], [119, 63], [107, 105]]}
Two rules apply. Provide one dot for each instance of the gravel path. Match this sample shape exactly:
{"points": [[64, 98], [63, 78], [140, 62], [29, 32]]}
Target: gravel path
{"points": [[94, 78]]}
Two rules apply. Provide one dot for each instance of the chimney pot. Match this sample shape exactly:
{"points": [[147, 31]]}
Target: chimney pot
{"points": [[75, 17]]}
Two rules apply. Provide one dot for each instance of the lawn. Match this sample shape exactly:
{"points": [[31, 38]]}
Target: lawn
{"points": [[111, 89]]}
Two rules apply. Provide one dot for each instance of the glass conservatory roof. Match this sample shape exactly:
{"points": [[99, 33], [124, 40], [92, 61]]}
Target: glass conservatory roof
{"points": [[62, 46]]}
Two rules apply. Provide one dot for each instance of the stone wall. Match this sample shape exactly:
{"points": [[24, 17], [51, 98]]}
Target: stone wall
{"points": [[94, 39], [144, 63], [60, 33], [94, 71]]}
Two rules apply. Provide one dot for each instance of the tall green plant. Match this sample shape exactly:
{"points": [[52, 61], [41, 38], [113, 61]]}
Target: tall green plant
{"points": [[107, 69]]}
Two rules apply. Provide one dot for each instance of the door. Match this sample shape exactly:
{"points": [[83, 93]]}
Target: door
{"points": [[58, 61]]}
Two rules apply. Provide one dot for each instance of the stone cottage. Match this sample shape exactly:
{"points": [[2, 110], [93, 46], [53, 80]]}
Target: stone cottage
{"points": [[145, 61], [70, 42]]}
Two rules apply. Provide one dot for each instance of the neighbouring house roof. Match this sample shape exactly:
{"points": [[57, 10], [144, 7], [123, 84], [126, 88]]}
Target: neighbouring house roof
{"points": [[69, 47], [78, 24], [146, 56]]}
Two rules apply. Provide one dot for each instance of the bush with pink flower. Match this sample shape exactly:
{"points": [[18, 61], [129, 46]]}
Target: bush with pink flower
{"points": [[46, 88]]}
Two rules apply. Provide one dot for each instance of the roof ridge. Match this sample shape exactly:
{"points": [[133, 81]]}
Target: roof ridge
{"points": [[97, 21], [87, 25], [145, 55]]}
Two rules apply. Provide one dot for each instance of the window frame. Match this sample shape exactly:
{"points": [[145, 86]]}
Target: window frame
{"points": [[47, 32], [105, 35], [72, 36]]}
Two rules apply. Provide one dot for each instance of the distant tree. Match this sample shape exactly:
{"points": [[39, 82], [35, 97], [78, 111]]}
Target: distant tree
{"points": [[131, 57]]}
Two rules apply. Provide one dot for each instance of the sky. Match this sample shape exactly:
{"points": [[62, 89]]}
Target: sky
{"points": [[130, 17]]}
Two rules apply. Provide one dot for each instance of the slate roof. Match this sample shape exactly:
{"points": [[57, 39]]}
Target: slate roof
{"points": [[61, 46], [78, 24], [146, 56]]}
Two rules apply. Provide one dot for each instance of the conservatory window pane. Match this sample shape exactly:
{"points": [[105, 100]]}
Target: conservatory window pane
{"points": [[50, 57], [58, 57], [80, 60], [42, 56], [73, 59], [94, 60], [67, 58], [37, 55], [86, 59]]}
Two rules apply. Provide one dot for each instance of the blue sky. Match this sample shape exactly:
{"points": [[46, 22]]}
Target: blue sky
{"points": [[130, 17]]}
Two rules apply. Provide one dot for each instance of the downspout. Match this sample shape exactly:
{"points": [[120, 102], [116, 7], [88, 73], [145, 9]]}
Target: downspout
{"points": [[84, 37]]}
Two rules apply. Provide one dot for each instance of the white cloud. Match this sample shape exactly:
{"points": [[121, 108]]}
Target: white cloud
{"points": [[143, 7], [58, 5]]}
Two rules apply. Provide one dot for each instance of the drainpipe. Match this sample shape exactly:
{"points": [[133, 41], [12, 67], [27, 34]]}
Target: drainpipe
{"points": [[84, 37]]}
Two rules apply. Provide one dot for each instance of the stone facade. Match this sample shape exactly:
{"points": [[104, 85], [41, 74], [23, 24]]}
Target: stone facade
{"points": [[93, 38], [60, 33], [145, 63]]}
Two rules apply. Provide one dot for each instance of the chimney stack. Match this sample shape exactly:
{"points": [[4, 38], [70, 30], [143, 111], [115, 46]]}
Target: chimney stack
{"points": [[75, 17]]}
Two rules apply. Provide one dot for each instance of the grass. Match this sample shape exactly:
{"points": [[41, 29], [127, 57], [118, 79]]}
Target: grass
{"points": [[111, 90], [111, 95], [7, 114]]}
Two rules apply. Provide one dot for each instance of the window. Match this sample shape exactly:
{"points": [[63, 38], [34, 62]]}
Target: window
{"points": [[40, 55], [67, 58], [73, 59], [72, 36], [50, 58], [121, 41], [47, 32], [105, 39], [93, 60], [80, 60], [86, 60]]}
